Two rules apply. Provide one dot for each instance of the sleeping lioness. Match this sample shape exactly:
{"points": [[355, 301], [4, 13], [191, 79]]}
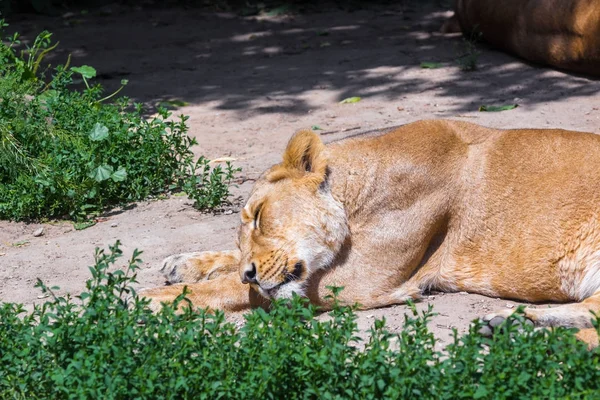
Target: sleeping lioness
{"points": [[561, 33], [443, 205]]}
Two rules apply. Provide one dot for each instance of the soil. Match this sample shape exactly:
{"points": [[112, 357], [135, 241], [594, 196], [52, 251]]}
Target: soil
{"points": [[250, 82]]}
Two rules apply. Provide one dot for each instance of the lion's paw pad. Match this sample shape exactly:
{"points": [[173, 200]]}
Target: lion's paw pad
{"points": [[171, 268]]}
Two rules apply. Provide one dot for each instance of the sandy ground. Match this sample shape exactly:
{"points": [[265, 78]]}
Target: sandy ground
{"points": [[250, 83]]}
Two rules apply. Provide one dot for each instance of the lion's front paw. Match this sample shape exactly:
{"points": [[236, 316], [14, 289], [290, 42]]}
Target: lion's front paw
{"points": [[155, 298], [168, 295], [226, 292], [180, 268], [198, 266]]}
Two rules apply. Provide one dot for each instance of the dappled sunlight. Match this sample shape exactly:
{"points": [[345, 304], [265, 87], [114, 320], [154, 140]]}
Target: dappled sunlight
{"points": [[262, 65]]}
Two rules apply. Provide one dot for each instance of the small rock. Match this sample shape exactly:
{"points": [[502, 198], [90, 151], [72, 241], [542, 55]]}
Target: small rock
{"points": [[43, 296], [485, 331], [114, 225], [463, 293], [370, 316], [496, 321], [38, 232], [510, 305], [228, 212]]}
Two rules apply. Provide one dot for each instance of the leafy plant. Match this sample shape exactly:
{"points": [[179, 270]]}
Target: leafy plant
{"points": [[72, 154], [469, 54], [105, 343], [209, 186]]}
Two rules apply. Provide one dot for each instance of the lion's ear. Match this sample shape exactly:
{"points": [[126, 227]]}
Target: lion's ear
{"points": [[304, 157], [304, 153]]}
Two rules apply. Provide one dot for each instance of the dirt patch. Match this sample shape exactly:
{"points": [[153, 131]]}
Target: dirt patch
{"points": [[250, 83]]}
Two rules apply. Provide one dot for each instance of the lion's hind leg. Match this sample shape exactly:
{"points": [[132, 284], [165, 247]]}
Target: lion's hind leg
{"points": [[576, 315], [589, 336], [199, 266]]}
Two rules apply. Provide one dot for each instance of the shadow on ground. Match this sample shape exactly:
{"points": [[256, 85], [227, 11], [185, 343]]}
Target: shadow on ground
{"points": [[272, 64]]}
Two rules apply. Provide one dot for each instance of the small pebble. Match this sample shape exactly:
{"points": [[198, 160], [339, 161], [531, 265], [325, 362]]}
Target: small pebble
{"points": [[38, 232], [228, 212], [496, 321], [527, 322], [510, 306], [463, 293], [485, 331], [114, 225]]}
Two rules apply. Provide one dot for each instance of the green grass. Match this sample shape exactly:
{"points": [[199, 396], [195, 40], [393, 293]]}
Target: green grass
{"points": [[67, 153], [105, 343]]}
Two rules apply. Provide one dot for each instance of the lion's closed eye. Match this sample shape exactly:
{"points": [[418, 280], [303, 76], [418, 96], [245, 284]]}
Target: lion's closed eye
{"points": [[257, 217]]}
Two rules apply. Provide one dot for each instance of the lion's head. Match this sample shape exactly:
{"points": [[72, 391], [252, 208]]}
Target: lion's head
{"points": [[291, 225]]}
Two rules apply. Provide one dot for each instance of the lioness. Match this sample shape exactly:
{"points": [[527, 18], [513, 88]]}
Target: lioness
{"points": [[561, 33], [443, 205]]}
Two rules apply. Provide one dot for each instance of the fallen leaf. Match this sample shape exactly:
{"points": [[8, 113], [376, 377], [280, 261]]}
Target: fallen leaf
{"points": [[316, 128], [21, 243], [350, 100], [431, 65], [79, 226], [172, 104], [498, 108]]}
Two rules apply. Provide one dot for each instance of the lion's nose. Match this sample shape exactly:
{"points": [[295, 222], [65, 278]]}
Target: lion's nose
{"points": [[249, 275]]}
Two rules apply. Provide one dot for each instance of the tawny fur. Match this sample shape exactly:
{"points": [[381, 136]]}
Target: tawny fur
{"points": [[442, 205], [561, 33]]}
